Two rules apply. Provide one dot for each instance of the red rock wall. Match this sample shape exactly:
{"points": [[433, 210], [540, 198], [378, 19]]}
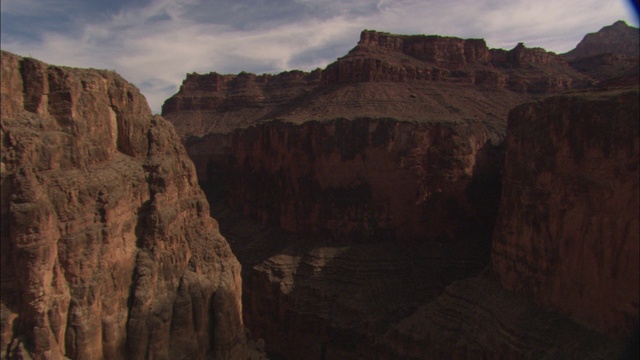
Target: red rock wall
{"points": [[436, 49], [567, 232], [367, 179], [388, 57], [108, 249]]}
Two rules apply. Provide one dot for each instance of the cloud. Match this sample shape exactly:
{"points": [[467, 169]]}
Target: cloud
{"points": [[154, 44]]}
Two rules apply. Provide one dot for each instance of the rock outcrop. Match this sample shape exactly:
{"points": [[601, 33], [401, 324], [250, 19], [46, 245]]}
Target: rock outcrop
{"points": [[428, 110], [609, 56], [221, 103], [618, 38], [108, 248], [567, 233], [401, 58]]}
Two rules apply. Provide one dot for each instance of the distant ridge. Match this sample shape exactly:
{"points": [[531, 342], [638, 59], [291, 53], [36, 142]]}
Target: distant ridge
{"points": [[618, 38]]}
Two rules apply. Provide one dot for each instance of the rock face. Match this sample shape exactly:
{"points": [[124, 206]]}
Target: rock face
{"points": [[108, 248], [388, 57], [221, 103], [609, 56], [567, 232], [366, 180], [619, 38]]}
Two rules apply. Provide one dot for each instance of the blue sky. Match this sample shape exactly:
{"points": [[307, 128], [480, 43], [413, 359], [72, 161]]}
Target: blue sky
{"points": [[154, 43]]}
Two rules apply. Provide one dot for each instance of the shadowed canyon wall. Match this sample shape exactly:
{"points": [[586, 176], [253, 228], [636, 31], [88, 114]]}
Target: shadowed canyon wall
{"points": [[368, 179], [564, 259], [108, 248], [567, 234]]}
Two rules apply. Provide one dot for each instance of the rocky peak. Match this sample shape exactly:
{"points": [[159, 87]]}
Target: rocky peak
{"points": [[618, 38]]}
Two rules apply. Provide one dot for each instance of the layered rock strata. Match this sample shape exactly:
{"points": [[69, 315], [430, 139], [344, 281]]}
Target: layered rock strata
{"points": [[404, 77], [108, 248], [567, 233], [478, 319]]}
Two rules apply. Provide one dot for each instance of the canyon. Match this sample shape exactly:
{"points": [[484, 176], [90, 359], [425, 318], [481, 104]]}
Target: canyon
{"points": [[383, 207], [422, 197]]}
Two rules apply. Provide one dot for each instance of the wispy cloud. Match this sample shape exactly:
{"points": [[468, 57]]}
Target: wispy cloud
{"points": [[156, 43]]}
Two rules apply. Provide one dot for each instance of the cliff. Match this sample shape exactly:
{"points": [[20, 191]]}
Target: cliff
{"points": [[362, 180], [108, 248], [567, 230]]}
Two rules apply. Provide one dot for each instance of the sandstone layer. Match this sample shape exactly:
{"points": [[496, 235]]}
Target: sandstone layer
{"points": [[567, 232], [108, 248]]}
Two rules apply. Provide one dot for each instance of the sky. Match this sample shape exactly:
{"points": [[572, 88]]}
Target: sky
{"points": [[155, 43]]}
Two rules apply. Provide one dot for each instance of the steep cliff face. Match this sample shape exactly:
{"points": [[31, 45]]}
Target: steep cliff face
{"points": [[368, 179], [567, 232], [108, 249]]}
